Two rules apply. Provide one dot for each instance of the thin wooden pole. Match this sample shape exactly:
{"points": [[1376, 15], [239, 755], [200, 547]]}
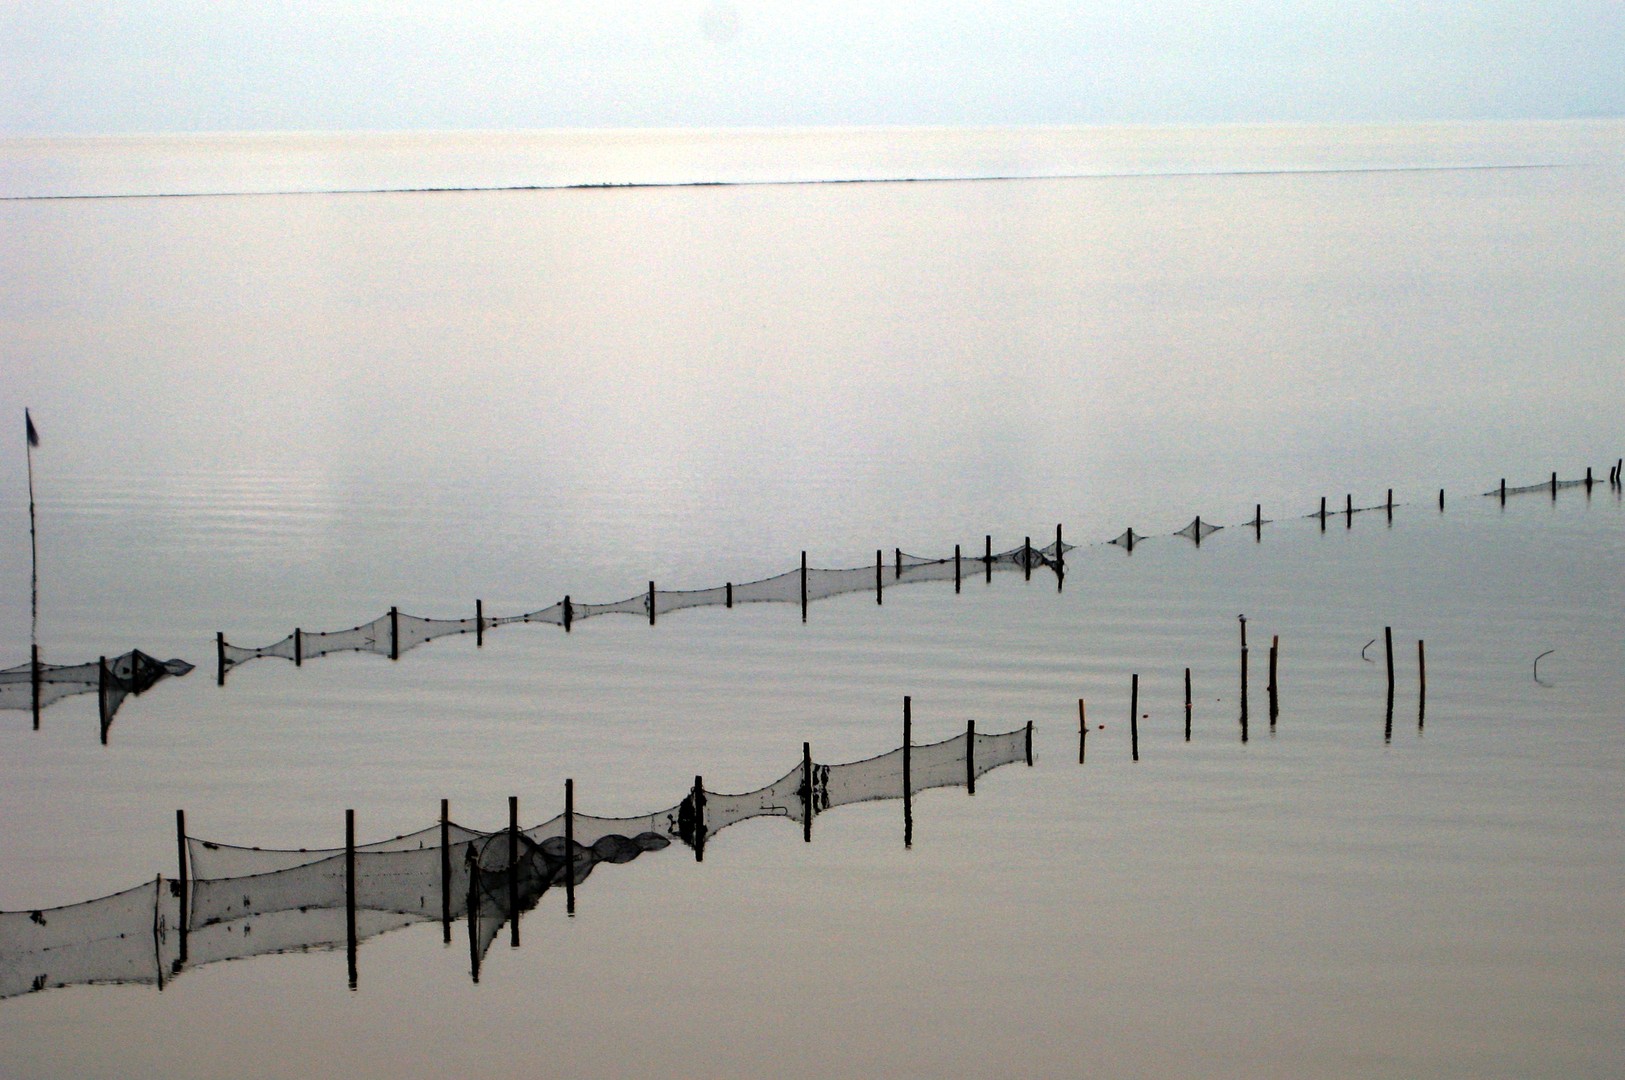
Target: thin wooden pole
{"points": [[1187, 704], [182, 877], [1243, 695], [1422, 680], [1390, 506], [1323, 513], [651, 603], [898, 553], [970, 756], [569, 614], [298, 648], [1388, 640], [1060, 552], [1554, 487], [394, 633], [1029, 746], [908, 779], [1275, 648], [349, 892], [956, 569], [698, 796], [806, 792], [804, 586], [220, 658], [1441, 500], [34, 680], [987, 559], [1198, 535], [1083, 730], [1134, 716], [102, 686], [570, 847], [730, 597], [513, 871], [445, 870], [1503, 491], [1348, 511], [1027, 557], [880, 574], [1588, 477], [479, 623], [1258, 523]]}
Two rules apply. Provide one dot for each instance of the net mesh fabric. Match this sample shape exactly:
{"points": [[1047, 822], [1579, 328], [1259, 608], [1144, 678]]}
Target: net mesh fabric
{"points": [[247, 901], [132, 673]]}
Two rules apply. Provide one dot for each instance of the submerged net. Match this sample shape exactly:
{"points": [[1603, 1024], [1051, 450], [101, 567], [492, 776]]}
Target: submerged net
{"points": [[247, 901], [1549, 487], [30, 686]]}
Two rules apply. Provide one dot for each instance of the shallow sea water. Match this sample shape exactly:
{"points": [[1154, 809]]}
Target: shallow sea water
{"points": [[266, 412]]}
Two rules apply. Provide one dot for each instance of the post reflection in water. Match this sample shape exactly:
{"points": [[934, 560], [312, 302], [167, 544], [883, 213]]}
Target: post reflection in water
{"points": [[231, 902]]}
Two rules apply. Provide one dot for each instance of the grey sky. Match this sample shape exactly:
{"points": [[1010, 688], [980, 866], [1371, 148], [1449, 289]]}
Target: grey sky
{"points": [[173, 65]]}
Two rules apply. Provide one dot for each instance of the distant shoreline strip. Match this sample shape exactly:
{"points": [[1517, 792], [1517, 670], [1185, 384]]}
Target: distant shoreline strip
{"points": [[584, 186]]}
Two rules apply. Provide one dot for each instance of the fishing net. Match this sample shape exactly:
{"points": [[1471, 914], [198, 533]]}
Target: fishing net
{"points": [[1198, 530], [396, 632], [114, 679], [1550, 487], [248, 901]]}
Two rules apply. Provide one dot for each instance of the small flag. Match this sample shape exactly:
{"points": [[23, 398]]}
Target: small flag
{"points": [[33, 435]]}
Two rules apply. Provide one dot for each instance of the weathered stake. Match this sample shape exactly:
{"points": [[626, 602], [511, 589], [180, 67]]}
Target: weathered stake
{"points": [[1083, 730], [1388, 640], [445, 871], [803, 586], [987, 559], [34, 680], [1027, 557], [970, 756], [1275, 648], [1134, 716], [1187, 704], [220, 657], [908, 779], [513, 871], [570, 847], [1029, 744], [569, 612], [394, 633], [956, 569], [880, 576], [898, 553], [182, 878], [651, 603], [806, 792], [349, 892], [479, 624], [298, 647], [1422, 681]]}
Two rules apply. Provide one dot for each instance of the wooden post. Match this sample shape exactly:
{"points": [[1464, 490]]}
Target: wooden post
{"points": [[570, 847], [730, 596], [479, 624], [987, 559], [182, 877], [698, 797], [349, 892], [1390, 506], [1243, 695], [1588, 478], [1187, 704], [908, 779], [1503, 491], [1323, 513], [445, 871], [220, 658], [1441, 500], [103, 681], [1060, 553], [34, 680], [806, 792], [804, 586], [1134, 716], [651, 603], [298, 648], [1029, 744], [1027, 557], [1258, 523], [1083, 731], [898, 552], [394, 633], [1388, 639], [1242, 620], [513, 871], [1422, 680], [956, 569], [1198, 533], [880, 575], [970, 756], [1554, 487], [569, 614], [1348, 511], [1275, 648]]}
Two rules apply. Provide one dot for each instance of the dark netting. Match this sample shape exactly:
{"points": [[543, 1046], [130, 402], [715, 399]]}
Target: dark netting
{"points": [[213, 860], [1549, 487], [1198, 530], [1128, 539], [114, 939], [114, 680], [246, 901]]}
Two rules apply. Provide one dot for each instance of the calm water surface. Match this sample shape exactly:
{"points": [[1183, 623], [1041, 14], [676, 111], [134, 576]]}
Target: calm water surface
{"points": [[263, 412]]}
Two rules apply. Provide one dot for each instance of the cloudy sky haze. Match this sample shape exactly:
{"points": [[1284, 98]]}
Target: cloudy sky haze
{"points": [[174, 65]]}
